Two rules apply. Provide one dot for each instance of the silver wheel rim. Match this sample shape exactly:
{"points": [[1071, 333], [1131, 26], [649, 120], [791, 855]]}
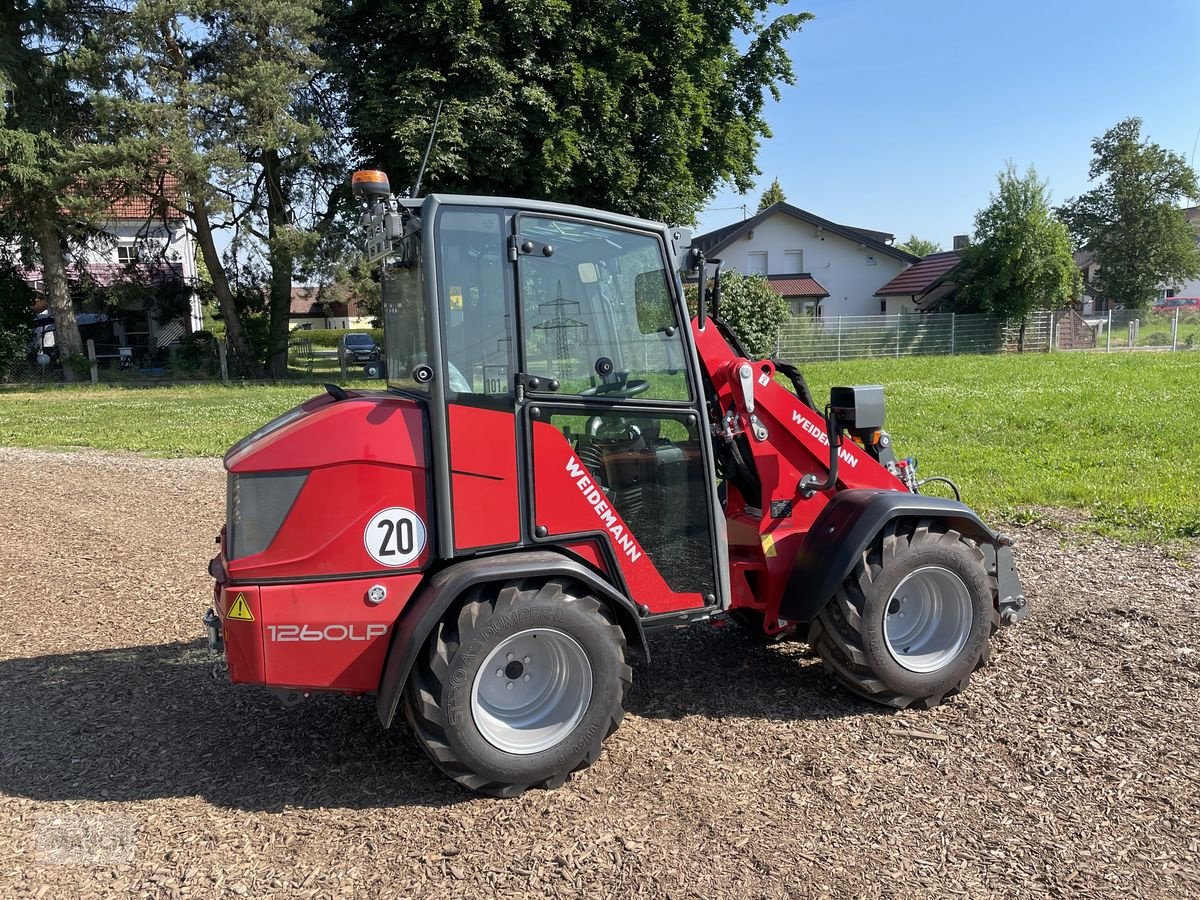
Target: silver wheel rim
{"points": [[928, 619], [531, 691]]}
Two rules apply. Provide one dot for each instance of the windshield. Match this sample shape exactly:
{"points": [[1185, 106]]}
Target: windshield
{"points": [[598, 311], [359, 340]]}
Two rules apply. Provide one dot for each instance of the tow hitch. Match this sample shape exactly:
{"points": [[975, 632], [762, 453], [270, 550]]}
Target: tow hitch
{"points": [[212, 624]]}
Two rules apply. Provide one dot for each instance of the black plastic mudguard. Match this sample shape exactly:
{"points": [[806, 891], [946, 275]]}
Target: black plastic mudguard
{"points": [[432, 600], [846, 527]]}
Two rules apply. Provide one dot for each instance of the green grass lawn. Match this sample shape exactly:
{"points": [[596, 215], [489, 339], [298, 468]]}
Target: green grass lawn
{"points": [[1106, 434]]}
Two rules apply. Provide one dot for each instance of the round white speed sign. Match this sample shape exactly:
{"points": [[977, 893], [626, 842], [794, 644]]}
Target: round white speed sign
{"points": [[395, 536]]}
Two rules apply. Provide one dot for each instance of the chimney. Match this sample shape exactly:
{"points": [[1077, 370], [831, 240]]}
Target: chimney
{"points": [[961, 241]]}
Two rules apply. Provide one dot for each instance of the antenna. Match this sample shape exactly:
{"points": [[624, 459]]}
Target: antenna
{"points": [[416, 188]]}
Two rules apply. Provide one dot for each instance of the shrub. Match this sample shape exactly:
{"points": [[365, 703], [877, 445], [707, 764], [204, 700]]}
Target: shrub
{"points": [[754, 311]]}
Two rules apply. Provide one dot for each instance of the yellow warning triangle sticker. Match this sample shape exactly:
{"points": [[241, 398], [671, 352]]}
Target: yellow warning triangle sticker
{"points": [[240, 609]]}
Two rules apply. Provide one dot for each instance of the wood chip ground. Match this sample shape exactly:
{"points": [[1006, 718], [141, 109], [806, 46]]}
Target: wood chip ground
{"points": [[1071, 767]]}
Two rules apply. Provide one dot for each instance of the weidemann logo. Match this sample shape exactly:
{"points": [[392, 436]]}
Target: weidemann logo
{"points": [[595, 497], [820, 435]]}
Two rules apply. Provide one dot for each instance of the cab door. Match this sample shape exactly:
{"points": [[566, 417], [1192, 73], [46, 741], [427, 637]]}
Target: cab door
{"points": [[615, 453]]}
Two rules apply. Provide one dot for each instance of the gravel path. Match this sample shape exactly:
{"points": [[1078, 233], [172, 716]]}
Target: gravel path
{"points": [[1071, 767]]}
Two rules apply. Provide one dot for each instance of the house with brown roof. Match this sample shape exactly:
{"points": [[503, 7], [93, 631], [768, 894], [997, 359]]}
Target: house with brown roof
{"points": [[144, 241], [309, 311], [924, 286], [821, 267]]}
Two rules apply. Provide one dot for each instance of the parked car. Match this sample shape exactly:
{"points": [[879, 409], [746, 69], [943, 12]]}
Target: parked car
{"points": [[360, 347], [1170, 304]]}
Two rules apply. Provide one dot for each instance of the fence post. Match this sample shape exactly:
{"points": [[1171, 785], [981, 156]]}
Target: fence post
{"points": [[91, 352], [1050, 343], [1108, 346], [223, 359], [839, 354], [898, 323], [342, 359], [951, 334], [1175, 330]]}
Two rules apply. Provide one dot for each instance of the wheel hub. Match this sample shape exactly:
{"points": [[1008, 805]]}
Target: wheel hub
{"points": [[928, 619], [531, 691]]}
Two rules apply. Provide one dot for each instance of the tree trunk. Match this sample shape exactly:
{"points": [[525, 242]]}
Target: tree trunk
{"points": [[281, 269], [234, 331], [1021, 337], [58, 295]]}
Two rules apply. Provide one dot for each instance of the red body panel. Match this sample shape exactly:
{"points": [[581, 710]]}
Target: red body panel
{"points": [[483, 477], [327, 635], [567, 502], [363, 454], [243, 639]]}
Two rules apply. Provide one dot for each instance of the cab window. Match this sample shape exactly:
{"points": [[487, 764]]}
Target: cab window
{"points": [[473, 302], [597, 310]]}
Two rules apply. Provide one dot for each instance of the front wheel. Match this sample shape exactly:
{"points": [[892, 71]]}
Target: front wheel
{"points": [[912, 621], [519, 687]]}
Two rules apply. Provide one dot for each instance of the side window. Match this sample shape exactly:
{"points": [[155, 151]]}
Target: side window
{"points": [[473, 304], [598, 311], [404, 325]]}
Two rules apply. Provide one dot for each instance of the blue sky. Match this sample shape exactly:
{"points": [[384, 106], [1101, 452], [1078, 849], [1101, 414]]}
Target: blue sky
{"points": [[903, 112]]}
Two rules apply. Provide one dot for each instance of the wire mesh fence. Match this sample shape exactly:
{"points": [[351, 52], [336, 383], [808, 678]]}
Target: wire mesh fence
{"points": [[801, 339], [933, 334]]}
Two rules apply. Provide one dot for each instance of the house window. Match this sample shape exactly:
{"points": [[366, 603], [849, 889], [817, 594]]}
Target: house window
{"points": [[794, 260], [883, 307], [802, 306], [127, 253], [756, 263]]}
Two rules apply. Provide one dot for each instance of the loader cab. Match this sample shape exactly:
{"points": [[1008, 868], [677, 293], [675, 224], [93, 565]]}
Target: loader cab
{"points": [[565, 400]]}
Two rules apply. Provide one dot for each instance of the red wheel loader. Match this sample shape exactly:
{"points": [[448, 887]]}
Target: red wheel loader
{"points": [[563, 460]]}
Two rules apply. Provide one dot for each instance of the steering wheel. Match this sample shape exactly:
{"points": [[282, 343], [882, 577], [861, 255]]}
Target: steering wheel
{"points": [[617, 389]]}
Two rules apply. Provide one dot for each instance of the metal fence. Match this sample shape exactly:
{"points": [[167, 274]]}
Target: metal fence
{"points": [[933, 334], [801, 339]]}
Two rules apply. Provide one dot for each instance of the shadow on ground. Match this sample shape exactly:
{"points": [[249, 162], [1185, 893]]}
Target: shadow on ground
{"points": [[155, 721]]}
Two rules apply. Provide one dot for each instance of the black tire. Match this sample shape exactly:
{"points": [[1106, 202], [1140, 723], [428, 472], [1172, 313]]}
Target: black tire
{"points": [[849, 633], [438, 697]]}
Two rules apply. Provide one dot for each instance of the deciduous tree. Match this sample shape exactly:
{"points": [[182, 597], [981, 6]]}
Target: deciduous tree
{"points": [[1131, 219], [644, 107], [918, 246], [1020, 259]]}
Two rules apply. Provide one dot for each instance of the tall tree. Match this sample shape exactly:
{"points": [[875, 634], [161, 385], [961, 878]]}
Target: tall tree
{"points": [[641, 106], [772, 195], [223, 96], [1020, 259], [51, 62], [1131, 221], [918, 246]]}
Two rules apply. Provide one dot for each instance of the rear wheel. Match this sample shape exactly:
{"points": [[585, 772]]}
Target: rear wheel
{"points": [[519, 686], [912, 621]]}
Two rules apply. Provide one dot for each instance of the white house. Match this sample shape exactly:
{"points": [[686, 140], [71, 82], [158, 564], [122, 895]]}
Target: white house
{"points": [[821, 267], [145, 241]]}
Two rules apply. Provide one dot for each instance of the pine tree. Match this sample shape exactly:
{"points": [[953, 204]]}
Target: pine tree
{"points": [[771, 196], [54, 189]]}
